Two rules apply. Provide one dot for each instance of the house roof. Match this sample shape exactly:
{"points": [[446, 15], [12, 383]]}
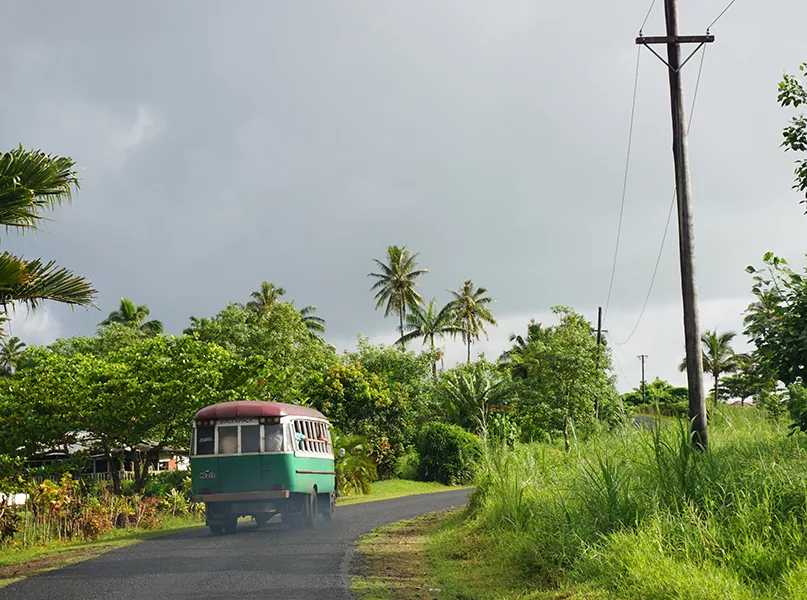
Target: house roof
{"points": [[247, 409]]}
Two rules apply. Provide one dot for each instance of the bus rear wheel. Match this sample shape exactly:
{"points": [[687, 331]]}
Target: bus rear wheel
{"points": [[231, 526], [328, 505]]}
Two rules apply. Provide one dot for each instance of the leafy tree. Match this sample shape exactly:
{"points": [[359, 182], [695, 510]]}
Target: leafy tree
{"points": [[471, 312], [395, 285], [718, 357], [793, 92], [564, 377], [361, 403], [133, 317], [109, 338], [749, 381], [429, 323], [777, 322], [472, 393], [658, 391], [141, 397], [280, 337], [10, 353], [31, 182], [265, 299], [406, 372]]}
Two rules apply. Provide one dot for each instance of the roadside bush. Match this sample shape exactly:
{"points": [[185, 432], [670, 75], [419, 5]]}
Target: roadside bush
{"points": [[163, 482], [448, 453], [408, 466]]}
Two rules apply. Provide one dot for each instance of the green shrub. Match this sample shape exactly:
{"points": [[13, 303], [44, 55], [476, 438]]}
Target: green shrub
{"points": [[408, 466], [161, 483], [448, 453]]}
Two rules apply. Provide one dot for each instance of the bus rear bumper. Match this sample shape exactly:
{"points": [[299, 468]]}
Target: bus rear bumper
{"points": [[242, 496]]}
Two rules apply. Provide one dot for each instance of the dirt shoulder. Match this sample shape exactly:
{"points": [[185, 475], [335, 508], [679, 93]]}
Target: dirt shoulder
{"points": [[391, 563]]}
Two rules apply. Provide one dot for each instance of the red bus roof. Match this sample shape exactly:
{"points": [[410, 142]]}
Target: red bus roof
{"points": [[248, 408]]}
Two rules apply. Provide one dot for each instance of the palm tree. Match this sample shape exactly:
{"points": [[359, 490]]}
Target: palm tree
{"points": [[718, 356], [133, 317], [471, 394], [265, 299], [396, 284], [471, 312], [515, 359], [314, 323], [30, 182], [10, 353], [429, 323]]}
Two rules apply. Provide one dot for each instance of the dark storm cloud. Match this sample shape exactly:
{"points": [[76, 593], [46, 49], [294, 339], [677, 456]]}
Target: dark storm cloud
{"points": [[226, 144]]}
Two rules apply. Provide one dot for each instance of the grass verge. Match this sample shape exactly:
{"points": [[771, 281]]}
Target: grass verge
{"points": [[391, 562], [19, 564], [395, 488]]}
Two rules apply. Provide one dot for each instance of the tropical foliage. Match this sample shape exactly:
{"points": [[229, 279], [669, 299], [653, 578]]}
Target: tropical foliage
{"points": [[30, 183], [430, 323], [471, 312], [718, 358], [134, 317], [395, 284], [793, 92]]}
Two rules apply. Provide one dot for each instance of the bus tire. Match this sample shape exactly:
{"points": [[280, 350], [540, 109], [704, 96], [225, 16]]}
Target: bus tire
{"points": [[328, 505], [231, 526], [312, 509], [216, 529], [261, 519]]}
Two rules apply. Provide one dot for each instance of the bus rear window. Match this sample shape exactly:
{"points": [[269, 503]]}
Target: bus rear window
{"points": [[228, 440], [250, 438], [273, 437], [205, 440]]}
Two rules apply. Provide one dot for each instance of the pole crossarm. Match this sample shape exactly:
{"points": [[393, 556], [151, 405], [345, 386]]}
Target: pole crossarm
{"points": [[647, 42], [675, 39]]}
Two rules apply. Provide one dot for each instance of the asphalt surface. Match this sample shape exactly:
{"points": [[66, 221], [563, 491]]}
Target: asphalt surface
{"points": [[272, 562]]}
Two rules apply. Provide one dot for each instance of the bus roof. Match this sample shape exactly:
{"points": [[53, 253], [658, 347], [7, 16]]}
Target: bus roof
{"points": [[249, 408]]}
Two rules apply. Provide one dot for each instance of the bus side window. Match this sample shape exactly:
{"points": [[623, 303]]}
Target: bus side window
{"points": [[250, 439], [309, 445], [298, 434], [273, 437], [205, 440], [228, 440]]}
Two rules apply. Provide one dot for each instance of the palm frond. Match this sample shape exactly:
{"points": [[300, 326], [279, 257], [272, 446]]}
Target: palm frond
{"points": [[31, 282], [31, 181]]}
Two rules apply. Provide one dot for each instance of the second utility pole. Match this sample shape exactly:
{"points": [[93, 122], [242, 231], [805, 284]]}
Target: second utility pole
{"points": [[686, 228], [644, 393]]}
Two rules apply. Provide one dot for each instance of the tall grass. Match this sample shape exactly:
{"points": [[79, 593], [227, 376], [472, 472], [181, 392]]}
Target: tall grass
{"points": [[643, 515]]}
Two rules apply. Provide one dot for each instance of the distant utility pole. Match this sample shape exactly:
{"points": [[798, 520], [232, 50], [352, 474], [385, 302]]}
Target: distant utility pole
{"points": [[644, 392], [686, 233], [599, 331]]}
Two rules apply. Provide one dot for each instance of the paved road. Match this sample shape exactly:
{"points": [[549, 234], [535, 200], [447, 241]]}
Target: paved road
{"points": [[274, 562]]}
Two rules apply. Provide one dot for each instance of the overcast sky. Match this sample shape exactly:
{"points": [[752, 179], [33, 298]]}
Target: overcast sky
{"points": [[228, 143]]}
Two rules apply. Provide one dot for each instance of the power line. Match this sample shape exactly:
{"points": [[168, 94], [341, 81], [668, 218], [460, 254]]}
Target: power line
{"points": [[624, 181], [725, 10], [669, 214], [647, 16]]}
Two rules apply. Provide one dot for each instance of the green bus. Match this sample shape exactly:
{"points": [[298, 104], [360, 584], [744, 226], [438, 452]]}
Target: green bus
{"points": [[261, 459]]}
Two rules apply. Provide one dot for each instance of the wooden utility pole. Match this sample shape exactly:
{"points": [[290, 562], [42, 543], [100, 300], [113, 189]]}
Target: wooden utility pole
{"points": [[600, 331], [686, 229], [644, 393]]}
